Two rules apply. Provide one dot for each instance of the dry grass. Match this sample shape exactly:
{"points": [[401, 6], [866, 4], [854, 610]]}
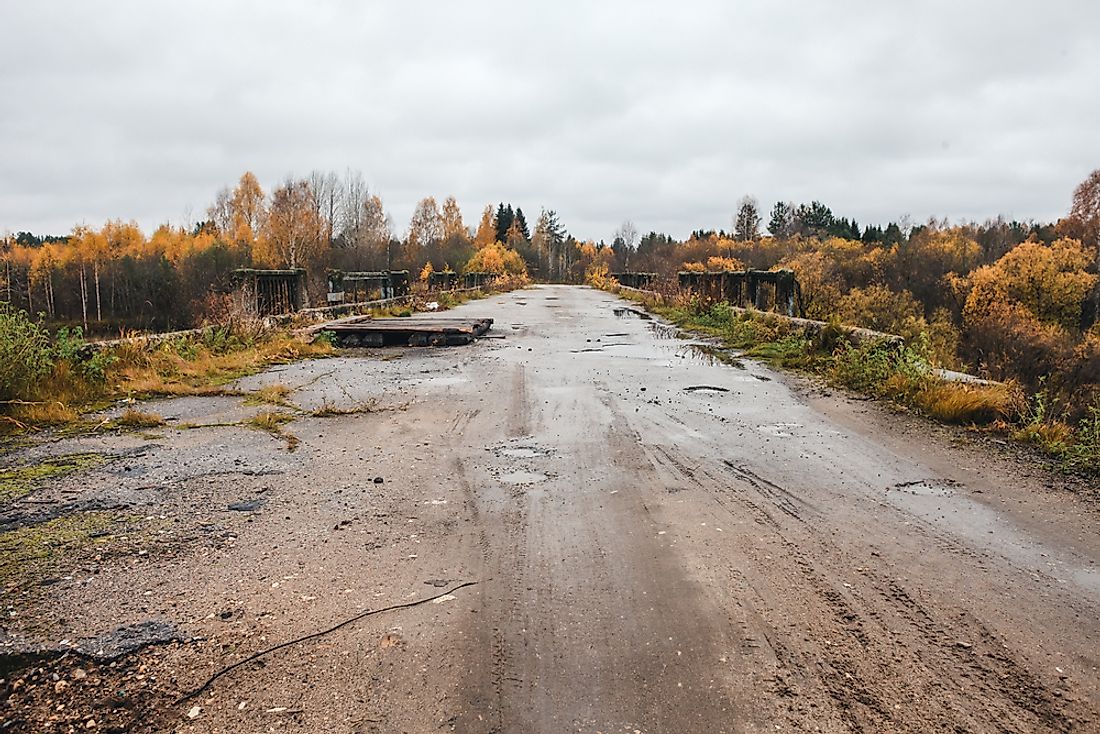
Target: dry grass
{"points": [[275, 394], [328, 409], [201, 370], [25, 414], [957, 402], [1054, 433], [272, 422], [136, 419]]}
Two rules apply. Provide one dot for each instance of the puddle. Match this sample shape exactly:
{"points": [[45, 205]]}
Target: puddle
{"points": [[622, 312], [780, 430], [709, 355], [663, 331], [523, 477], [926, 488]]}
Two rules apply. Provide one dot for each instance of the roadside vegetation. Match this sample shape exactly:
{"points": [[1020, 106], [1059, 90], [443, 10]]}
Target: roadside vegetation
{"points": [[51, 380], [902, 374], [1014, 303]]}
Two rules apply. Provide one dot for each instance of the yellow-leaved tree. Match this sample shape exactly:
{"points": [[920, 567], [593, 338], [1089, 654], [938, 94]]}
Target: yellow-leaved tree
{"points": [[496, 258], [291, 236], [486, 229]]}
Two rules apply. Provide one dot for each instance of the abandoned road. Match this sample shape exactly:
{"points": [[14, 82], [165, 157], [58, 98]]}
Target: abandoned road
{"points": [[660, 543]]}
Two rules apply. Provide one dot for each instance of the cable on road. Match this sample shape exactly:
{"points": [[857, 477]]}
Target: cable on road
{"points": [[314, 635]]}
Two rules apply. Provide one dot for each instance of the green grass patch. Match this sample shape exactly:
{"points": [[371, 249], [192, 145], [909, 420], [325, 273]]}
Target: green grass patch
{"points": [[16, 482], [37, 550]]}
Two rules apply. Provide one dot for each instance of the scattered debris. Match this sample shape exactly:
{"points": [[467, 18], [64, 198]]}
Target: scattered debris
{"points": [[247, 505]]}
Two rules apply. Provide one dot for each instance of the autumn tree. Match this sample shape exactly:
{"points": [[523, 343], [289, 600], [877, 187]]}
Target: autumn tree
{"points": [[292, 235], [486, 229], [451, 219], [496, 258], [1049, 282], [1084, 214], [1083, 223], [378, 229], [247, 210], [456, 247], [425, 233]]}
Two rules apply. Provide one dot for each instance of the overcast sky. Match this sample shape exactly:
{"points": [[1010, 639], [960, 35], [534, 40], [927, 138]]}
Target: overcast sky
{"points": [[663, 113]]}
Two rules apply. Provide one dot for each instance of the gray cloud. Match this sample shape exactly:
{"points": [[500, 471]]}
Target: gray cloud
{"points": [[664, 113]]}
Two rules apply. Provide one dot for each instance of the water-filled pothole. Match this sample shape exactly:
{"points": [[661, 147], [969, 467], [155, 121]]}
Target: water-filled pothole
{"points": [[663, 331], [623, 312], [709, 354]]}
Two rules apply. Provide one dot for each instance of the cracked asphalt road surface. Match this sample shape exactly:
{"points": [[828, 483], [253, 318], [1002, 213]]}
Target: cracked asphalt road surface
{"points": [[661, 543]]}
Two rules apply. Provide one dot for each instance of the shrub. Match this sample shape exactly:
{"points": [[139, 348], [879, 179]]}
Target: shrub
{"points": [[25, 355], [864, 367]]}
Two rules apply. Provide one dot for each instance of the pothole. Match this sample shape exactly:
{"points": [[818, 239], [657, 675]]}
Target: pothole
{"points": [[927, 488], [522, 452], [632, 313], [663, 331], [709, 354]]}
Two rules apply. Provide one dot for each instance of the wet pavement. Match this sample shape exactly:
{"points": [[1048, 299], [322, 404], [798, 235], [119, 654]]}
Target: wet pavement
{"points": [[665, 538]]}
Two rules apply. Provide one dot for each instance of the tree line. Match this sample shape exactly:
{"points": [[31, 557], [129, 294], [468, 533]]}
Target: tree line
{"points": [[1009, 299], [1006, 299], [115, 277]]}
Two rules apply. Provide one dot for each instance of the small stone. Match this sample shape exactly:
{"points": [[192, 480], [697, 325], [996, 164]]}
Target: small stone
{"points": [[89, 724], [194, 712], [79, 674], [378, 480]]}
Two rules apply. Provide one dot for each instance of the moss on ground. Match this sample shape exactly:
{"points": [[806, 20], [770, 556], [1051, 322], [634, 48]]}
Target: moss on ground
{"points": [[19, 481], [33, 551]]}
